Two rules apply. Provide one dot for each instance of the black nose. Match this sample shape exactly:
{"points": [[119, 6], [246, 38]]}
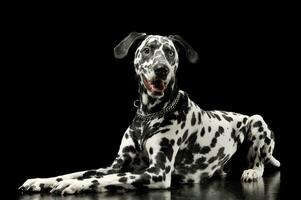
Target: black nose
{"points": [[161, 71]]}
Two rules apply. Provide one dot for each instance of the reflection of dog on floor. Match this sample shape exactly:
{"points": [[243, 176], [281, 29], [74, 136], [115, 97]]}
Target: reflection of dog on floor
{"points": [[170, 136]]}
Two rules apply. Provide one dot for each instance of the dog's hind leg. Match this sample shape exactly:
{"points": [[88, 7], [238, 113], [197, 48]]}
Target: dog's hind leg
{"points": [[261, 149]]}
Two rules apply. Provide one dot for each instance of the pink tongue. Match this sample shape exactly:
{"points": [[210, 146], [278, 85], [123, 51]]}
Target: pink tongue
{"points": [[156, 88]]}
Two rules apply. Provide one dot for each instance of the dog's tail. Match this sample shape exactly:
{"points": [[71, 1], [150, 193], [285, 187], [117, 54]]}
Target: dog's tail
{"points": [[273, 161]]}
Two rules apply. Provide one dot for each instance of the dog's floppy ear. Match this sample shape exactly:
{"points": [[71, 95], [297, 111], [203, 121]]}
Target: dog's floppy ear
{"points": [[121, 50], [191, 54]]}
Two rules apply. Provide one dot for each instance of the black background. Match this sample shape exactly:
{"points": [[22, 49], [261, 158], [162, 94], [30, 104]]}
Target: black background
{"points": [[71, 100]]}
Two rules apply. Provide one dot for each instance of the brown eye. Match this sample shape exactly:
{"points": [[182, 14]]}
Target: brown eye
{"points": [[146, 51], [170, 53]]}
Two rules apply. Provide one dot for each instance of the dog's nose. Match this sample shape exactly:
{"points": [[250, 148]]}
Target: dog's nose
{"points": [[161, 71]]}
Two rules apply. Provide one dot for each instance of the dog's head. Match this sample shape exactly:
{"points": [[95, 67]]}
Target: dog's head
{"points": [[156, 59]]}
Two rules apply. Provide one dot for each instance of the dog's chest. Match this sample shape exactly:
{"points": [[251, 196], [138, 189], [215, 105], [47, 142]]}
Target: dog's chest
{"points": [[141, 130]]}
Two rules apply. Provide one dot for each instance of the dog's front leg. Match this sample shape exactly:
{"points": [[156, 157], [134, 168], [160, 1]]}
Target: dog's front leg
{"points": [[161, 152], [123, 157]]}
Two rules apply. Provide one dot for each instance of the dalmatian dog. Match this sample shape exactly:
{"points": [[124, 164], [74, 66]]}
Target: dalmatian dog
{"points": [[170, 138]]}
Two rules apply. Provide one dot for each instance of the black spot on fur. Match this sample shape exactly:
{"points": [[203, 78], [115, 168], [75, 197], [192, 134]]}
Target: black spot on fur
{"points": [[94, 185], [220, 153], [126, 136], [225, 113], [125, 166], [182, 125], [59, 179], [128, 149], [208, 113], [87, 174], [193, 119], [121, 174], [238, 124], [164, 130], [199, 118], [185, 136], [200, 160], [221, 130], [260, 129], [151, 150], [155, 170], [212, 159], [205, 150], [202, 133], [213, 142], [184, 156], [157, 178], [196, 148], [113, 188], [123, 179], [267, 141], [136, 161], [233, 134], [217, 134], [216, 116], [179, 141], [229, 119], [209, 129], [167, 169], [244, 120], [214, 166], [203, 166], [257, 124], [143, 180], [42, 185], [161, 160], [166, 147]]}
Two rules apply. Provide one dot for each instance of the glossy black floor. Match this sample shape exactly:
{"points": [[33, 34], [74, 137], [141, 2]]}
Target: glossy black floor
{"points": [[216, 188]]}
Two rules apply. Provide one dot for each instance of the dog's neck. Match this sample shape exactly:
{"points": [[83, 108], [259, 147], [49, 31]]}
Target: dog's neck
{"points": [[149, 104]]}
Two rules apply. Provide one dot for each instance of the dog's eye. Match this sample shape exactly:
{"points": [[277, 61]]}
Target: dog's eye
{"points": [[171, 53], [146, 51]]}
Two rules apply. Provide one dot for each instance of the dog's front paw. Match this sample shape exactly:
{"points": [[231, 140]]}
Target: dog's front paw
{"points": [[249, 175], [37, 184], [71, 186]]}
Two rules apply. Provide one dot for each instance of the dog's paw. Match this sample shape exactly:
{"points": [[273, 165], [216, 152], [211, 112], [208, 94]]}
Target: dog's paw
{"points": [[71, 186], [37, 184], [250, 175]]}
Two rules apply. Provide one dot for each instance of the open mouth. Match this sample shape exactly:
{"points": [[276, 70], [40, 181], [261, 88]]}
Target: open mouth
{"points": [[155, 86]]}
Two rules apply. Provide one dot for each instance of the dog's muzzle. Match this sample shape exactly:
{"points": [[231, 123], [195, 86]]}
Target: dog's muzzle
{"points": [[161, 71], [157, 85]]}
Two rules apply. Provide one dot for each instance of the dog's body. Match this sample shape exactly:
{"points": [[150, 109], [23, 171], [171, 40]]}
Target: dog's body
{"points": [[170, 136]]}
